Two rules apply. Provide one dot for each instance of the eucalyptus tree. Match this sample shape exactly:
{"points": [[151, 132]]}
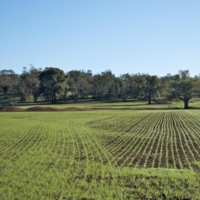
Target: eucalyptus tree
{"points": [[182, 86], [99, 89], [148, 86], [110, 83], [125, 86], [151, 88], [197, 85], [8, 80], [80, 83], [52, 82], [72, 78], [105, 85], [137, 85], [30, 83], [164, 86]]}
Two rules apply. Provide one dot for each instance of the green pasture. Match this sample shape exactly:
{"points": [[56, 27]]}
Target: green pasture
{"points": [[140, 105], [129, 104], [119, 154]]}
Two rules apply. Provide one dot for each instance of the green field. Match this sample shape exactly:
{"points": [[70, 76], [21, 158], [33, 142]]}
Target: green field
{"points": [[134, 105], [113, 154]]}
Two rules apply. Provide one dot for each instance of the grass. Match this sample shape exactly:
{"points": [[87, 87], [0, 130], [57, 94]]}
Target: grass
{"points": [[119, 105], [140, 105], [100, 155]]}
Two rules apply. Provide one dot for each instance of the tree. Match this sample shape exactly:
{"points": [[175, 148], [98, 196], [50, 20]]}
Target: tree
{"points": [[197, 84], [80, 83], [8, 80], [99, 88], [124, 86], [149, 85], [182, 86], [105, 85], [109, 81], [30, 83], [164, 86], [137, 86], [52, 82]]}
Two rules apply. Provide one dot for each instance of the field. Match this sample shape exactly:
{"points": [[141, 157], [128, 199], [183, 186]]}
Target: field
{"points": [[104, 154]]}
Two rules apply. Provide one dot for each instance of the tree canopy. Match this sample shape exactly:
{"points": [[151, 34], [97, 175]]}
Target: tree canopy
{"points": [[52, 81], [51, 84], [182, 86]]}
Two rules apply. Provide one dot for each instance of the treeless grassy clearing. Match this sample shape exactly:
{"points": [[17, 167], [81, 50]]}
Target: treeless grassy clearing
{"points": [[100, 155]]}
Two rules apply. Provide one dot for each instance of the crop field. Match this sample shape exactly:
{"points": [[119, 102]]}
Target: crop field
{"points": [[113, 154]]}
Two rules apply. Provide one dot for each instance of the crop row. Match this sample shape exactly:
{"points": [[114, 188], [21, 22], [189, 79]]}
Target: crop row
{"points": [[159, 139], [93, 154]]}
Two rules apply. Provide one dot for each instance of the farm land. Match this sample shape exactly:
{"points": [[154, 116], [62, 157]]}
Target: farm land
{"points": [[97, 110], [100, 154]]}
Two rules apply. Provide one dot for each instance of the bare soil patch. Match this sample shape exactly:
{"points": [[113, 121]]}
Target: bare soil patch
{"points": [[42, 109], [10, 109]]}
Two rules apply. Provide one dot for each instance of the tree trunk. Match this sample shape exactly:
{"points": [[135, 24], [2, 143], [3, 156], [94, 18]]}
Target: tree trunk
{"points": [[149, 99], [5, 93], [52, 100], [124, 97], [55, 100], [52, 97], [35, 98], [186, 102]]}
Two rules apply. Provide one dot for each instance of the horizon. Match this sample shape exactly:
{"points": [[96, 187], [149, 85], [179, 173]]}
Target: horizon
{"points": [[86, 70]]}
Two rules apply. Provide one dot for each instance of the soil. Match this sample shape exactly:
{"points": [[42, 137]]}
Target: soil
{"points": [[10, 109], [40, 109]]}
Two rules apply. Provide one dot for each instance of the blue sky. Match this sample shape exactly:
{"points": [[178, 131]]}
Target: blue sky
{"points": [[125, 36]]}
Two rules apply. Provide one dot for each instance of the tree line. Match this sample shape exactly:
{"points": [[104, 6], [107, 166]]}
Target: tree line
{"points": [[53, 84]]}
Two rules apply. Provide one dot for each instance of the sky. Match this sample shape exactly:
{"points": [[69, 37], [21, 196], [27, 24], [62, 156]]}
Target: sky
{"points": [[125, 36]]}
